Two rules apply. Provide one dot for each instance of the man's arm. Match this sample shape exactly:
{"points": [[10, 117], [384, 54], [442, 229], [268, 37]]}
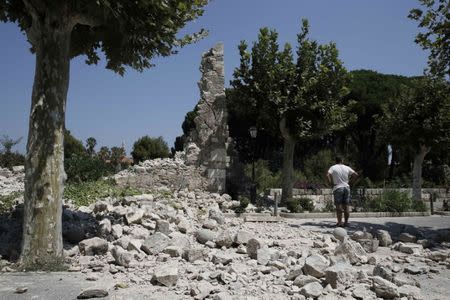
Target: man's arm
{"points": [[329, 178]]}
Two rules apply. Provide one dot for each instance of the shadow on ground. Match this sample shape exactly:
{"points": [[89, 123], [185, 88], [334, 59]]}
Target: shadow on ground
{"points": [[76, 226], [394, 228]]}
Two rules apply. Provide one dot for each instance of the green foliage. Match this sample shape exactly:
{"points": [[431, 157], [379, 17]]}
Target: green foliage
{"points": [[86, 193], [129, 33], [364, 138], [435, 20], [47, 263], [11, 159], [86, 168], [329, 206], [420, 115], [72, 146], [316, 166], [149, 148], [418, 206], [90, 146], [187, 126], [7, 201], [393, 201], [264, 177], [7, 143], [301, 204], [243, 203], [104, 153]]}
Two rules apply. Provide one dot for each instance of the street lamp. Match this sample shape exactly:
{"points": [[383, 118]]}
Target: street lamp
{"points": [[253, 132]]}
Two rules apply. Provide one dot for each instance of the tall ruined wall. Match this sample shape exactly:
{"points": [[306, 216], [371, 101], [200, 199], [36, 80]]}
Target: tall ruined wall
{"points": [[211, 130]]}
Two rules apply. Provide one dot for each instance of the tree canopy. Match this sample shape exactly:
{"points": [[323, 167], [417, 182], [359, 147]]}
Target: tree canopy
{"points": [[147, 147], [129, 33], [434, 18]]}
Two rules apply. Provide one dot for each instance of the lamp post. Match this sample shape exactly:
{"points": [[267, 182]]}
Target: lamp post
{"points": [[253, 132]]}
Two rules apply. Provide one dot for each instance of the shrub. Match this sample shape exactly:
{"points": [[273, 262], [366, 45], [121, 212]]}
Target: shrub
{"points": [[390, 201], [329, 206], [244, 202], [11, 159], [7, 201], [82, 168], [86, 193], [296, 205], [418, 206], [149, 148], [264, 177], [293, 205], [316, 166]]}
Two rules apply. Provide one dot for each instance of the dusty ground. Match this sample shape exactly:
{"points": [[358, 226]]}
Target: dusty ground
{"points": [[434, 285]]}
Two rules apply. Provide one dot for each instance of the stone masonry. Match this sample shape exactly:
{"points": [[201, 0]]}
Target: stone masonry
{"points": [[211, 130]]}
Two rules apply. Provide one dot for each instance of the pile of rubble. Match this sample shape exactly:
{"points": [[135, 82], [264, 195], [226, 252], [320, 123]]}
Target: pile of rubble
{"points": [[181, 242], [171, 173], [11, 181]]}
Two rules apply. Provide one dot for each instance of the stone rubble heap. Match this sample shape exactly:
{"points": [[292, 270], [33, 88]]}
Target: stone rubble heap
{"points": [[172, 173], [11, 181], [182, 243]]}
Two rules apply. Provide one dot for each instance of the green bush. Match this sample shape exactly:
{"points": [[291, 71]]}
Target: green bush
{"points": [[390, 201], [296, 205], [7, 202], [293, 205], [11, 159], [244, 202], [329, 206], [316, 166], [264, 177], [85, 193], [82, 168], [418, 206], [149, 148]]}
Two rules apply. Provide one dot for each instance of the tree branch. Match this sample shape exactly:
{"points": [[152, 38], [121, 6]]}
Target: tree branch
{"points": [[84, 20]]}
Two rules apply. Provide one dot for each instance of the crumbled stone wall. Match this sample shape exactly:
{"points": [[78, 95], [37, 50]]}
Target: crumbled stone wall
{"points": [[320, 197], [11, 181], [171, 173], [211, 130]]}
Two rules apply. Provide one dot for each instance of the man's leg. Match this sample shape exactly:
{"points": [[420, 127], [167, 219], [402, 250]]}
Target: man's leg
{"points": [[346, 205], [339, 214], [337, 194], [346, 208]]}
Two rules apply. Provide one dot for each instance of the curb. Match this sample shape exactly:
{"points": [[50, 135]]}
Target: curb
{"points": [[355, 215]]}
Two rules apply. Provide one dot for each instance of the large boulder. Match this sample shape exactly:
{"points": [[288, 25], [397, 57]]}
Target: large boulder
{"points": [[340, 274], [384, 237], [352, 251], [242, 237], [121, 256], [384, 289], [166, 275], [252, 247], [155, 243], [340, 233], [205, 235], [217, 215], [313, 289], [265, 255], [93, 246], [315, 265], [224, 239]]}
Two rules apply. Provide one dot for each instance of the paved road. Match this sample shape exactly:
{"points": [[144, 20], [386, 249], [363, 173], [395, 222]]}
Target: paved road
{"points": [[433, 227]]}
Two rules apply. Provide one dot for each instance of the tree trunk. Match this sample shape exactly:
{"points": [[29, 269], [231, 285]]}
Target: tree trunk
{"points": [[288, 162], [45, 176], [417, 172]]}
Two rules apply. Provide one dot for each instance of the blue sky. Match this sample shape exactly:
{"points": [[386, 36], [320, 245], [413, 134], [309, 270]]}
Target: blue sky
{"points": [[369, 34]]}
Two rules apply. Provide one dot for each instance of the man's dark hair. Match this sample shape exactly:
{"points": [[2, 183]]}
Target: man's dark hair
{"points": [[338, 160]]}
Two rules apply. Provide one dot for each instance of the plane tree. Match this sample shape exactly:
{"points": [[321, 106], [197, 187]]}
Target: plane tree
{"points": [[129, 34], [295, 98]]}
